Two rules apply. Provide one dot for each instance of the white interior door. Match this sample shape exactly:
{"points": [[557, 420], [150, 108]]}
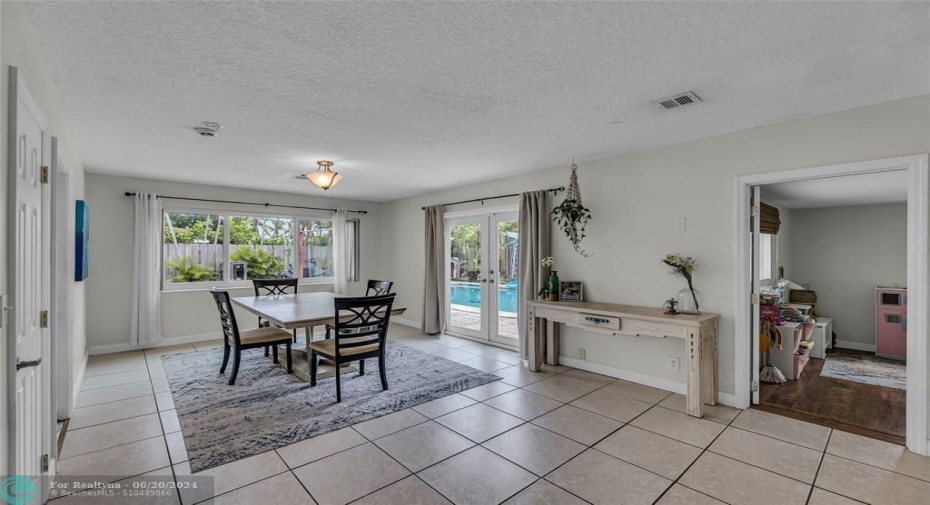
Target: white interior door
{"points": [[62, 264], [504, 250], [756, 219], [29, 276]]}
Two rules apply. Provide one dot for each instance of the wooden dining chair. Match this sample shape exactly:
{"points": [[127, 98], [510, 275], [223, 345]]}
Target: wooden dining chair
{"points": [[360, 333], [273, 287], [374, 288], [237, 341]]}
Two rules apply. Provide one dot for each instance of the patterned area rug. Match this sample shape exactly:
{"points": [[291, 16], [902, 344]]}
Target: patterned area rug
{"points": [[866, 369], [268, 408]]}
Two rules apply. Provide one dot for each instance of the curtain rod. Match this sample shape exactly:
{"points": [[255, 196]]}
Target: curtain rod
{"points": [[553, 191], [129, 193]]}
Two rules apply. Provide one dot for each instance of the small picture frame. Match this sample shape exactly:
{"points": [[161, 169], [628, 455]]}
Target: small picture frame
{"points": [[570, 291]]}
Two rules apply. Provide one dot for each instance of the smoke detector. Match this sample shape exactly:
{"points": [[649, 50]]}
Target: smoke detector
{"points": [[209, 129], [679, 100]]}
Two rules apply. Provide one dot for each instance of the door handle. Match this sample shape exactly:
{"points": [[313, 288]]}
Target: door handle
{"points": [[27, 364]]}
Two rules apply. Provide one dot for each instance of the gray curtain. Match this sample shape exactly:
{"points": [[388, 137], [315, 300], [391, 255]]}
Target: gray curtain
{"points": [[434, 293], [534, 246]]}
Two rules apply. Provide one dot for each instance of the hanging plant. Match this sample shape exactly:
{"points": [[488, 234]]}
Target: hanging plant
{"points": [[572, 216]]}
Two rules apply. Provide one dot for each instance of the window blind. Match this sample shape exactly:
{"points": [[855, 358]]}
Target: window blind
{"points": [[770, 220]]}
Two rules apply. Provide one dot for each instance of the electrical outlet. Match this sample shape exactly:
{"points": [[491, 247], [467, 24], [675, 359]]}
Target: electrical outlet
{"points": [[673, 362], [681, 224], [581, 353]]}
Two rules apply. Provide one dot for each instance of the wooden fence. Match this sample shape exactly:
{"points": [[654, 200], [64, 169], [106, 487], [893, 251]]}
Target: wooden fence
{"points": [[212, 254]]}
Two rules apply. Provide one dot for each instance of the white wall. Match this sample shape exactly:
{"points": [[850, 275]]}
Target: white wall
{"points": [[843, 253], [635, 199], [19, 47], [184, 313]]}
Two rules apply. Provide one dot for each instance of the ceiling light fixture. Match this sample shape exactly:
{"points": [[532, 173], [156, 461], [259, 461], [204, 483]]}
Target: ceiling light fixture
{"points": [[324, 177]]}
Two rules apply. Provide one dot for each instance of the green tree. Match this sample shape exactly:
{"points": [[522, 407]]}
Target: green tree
{"points": [[186, 269], [260, 264]]}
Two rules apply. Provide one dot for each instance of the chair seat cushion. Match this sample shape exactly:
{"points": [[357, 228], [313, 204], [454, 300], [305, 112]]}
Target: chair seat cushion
{"points": [[328, 347], [268, 334]]}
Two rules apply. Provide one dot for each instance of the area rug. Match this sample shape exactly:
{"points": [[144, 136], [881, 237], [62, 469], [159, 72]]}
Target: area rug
{"points": [[866, 369], [268, 408]]}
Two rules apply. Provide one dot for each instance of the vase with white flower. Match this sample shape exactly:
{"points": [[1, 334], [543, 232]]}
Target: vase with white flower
{"points": [[553, 288], [690, 300]]}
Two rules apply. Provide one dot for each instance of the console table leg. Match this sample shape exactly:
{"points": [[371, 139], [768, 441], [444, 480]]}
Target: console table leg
{"points": [[693, 357], [533, 342], [552, 342]]}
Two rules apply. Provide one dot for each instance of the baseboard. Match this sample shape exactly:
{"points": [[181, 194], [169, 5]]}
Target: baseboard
{"points": [[406, 322], [855, 346], [724, 398], [76, 385], [114, 348]]}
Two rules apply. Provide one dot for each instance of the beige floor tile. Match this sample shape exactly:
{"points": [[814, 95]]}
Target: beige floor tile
{"points": [[577, 424], [177, 448], [113, 411], [734, 482], [157, 372], [115, 379], [680, 495], [612, 405], [113, 393], [425, 346], [870, 484], [544, 492], [637, 391], [155, 353], [410, 491], [446, 340], [519, 376], [282, 489], [444, 405], [161, 477], [319, 447], [385, 425], [477, 477], [539, 451], [717, 413], [485, 364], [423, 445], [350, 474], [453, 354], [680, 426], [104, 436], [878, 453], [783, 428], [594, 380], [114, 363], [119, 462], [479, 422], [821, 497], [602, 479], [161, 385], [229, 476], [490, 390], [523, 404], [169, 421], [164, 401], [799, 463], [664, 456], [559, 389]]}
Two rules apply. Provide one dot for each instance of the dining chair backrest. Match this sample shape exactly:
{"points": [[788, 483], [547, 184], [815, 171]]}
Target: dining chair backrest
{"points": [[227, 317], [362, 321], [270, 287], [378, 287]]}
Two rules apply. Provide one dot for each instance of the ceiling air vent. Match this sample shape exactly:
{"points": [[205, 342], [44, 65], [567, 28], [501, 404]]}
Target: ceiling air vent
{"points": [[678, 100]]}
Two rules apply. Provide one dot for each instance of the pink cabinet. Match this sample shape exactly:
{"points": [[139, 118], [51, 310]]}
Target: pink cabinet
{"points": [[891, 322]]}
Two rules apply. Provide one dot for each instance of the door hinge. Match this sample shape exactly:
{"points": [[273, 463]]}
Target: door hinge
{"points": [[754, 298], [43, 319], [45, 463], [753, 211], [44, 178], [754, 386]]}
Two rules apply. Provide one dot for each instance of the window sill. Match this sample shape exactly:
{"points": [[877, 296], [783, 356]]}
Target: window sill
{"points": [[207, 286]]}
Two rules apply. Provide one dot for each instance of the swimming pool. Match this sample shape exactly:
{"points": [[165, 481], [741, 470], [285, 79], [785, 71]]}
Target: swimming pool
{"points": [[469, 294]]}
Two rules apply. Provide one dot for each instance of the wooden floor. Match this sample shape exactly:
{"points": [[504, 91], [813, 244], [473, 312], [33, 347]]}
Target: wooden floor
{"points": [[864, 409]]}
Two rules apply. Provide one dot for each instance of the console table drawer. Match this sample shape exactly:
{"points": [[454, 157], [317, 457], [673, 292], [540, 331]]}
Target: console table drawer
{"points": [[652, 328], [599, 321]]}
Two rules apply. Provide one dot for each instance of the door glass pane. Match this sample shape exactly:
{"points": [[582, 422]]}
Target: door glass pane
{"points": [[465, 269], [316, 250], [261, 248], [192, 247], [508, 242]]}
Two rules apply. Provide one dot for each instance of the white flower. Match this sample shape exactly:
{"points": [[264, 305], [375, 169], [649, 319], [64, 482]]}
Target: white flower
{"points": [[547, 262]]}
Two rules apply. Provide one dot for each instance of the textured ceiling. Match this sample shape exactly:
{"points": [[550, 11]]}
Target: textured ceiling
{"points": [[412, 97], [866, 189]]}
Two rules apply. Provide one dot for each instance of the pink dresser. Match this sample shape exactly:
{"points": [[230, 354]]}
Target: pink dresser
{"points": [[891, 322]]}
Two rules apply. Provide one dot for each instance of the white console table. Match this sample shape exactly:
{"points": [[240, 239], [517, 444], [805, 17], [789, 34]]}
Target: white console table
{"points": [[699, 333]]}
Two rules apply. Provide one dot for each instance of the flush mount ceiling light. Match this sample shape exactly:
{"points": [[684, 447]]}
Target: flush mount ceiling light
{"points": [[324, 177]]}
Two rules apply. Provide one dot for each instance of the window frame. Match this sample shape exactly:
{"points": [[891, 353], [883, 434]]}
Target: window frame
{"points": [[770, 240], [226, 214]]}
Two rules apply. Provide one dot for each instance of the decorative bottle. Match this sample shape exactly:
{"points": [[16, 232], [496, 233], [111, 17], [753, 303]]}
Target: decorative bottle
{"points": [[554, 286]]}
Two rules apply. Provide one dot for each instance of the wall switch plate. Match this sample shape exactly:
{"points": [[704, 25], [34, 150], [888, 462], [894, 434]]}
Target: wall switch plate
{"points": [[673, 362], [681, 224], [3, 310]]}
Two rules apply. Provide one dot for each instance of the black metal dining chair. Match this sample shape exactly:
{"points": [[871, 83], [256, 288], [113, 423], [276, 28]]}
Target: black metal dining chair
{"points": [[374, 288], [236, 341], [360, 333], [272, 287]]}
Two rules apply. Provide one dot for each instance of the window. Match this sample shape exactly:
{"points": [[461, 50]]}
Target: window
{"points": [[224, 247], [767, 254]]}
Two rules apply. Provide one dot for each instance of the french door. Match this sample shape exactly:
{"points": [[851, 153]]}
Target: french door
{"points": [[481, 277]]}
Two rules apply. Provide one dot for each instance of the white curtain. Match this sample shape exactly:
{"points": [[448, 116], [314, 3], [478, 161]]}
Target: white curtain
{"points": [[340, 253], [534, 246], [434, 292], [146, 283]]}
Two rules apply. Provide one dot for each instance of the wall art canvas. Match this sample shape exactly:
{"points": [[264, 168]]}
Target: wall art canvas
{"points": [[81, 240]]}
